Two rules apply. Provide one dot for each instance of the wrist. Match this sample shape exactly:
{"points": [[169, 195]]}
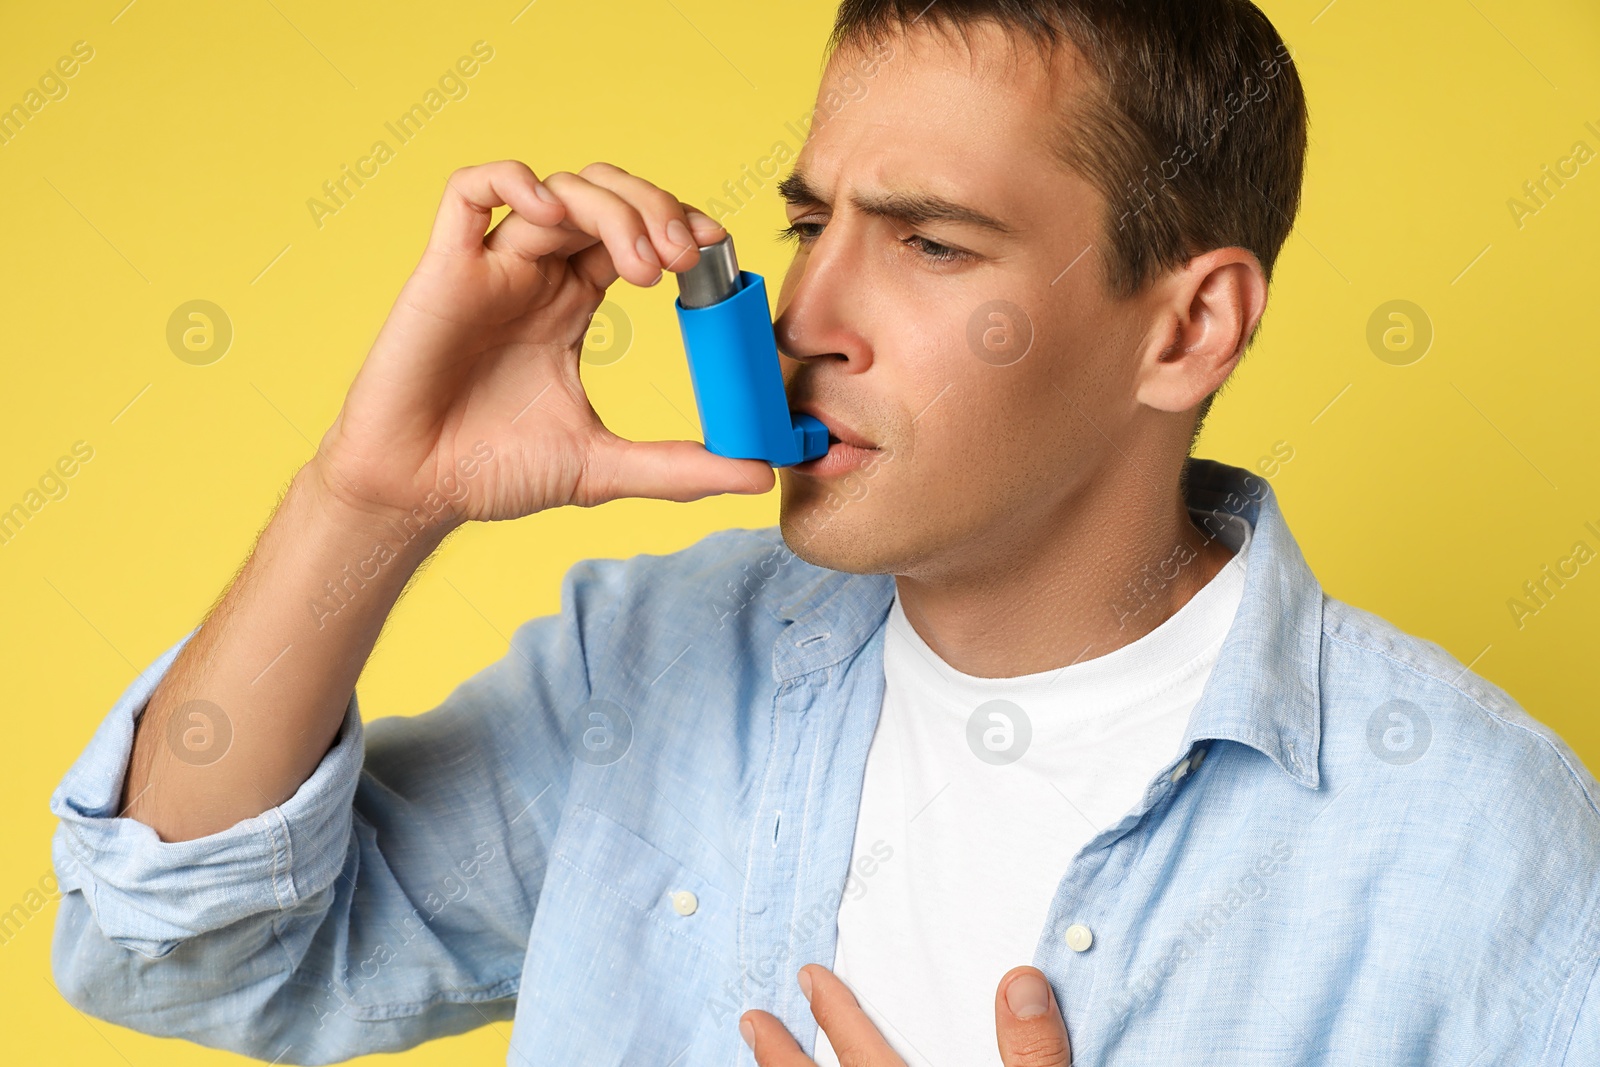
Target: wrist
{"points": [[412, 533]]}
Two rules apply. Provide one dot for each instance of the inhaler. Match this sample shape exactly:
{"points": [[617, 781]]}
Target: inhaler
{"points": [[733, 364]]}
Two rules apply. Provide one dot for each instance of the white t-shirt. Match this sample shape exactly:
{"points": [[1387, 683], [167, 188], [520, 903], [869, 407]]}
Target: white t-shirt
{"points": [[970, 815]]}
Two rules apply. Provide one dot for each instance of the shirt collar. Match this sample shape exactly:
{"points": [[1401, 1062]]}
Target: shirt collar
{"points": [[1264, 690]]}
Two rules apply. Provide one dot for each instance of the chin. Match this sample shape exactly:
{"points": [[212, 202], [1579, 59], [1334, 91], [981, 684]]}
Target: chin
{"points": [[844, 539]]}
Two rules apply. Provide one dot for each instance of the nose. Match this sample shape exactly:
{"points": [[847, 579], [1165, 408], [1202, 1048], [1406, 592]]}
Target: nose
{"points": [[821, 307]]}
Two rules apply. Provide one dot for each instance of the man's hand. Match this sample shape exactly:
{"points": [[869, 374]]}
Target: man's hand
{"points": [[483, 345], [1027, 1023]]}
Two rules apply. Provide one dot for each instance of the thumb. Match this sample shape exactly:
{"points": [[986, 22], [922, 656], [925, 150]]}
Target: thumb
{"points": [[671, 470], [1027, 1021]]}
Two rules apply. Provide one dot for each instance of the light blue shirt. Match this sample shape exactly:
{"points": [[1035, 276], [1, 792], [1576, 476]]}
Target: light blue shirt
{"points": [[637, 824]]}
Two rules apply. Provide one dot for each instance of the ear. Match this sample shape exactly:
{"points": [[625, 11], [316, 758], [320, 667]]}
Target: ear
{"points": [[1204, 315]]}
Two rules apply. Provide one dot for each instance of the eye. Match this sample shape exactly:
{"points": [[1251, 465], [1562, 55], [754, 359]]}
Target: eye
{"points": [[798, 232], [801, 233], [932, 249]]}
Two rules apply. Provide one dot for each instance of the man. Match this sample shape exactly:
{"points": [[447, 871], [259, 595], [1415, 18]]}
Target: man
{"points": [[1023, 738]]}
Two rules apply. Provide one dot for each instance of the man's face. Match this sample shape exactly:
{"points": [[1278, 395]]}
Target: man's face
{"points": [[920, 355]]}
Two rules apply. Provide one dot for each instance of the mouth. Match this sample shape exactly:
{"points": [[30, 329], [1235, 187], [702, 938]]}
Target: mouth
{"points": [[839, 431], [848, 449]]}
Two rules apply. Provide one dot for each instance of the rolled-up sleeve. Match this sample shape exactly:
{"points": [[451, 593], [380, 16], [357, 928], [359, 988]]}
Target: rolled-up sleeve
{"points": [[388, 901], [149, 895]]}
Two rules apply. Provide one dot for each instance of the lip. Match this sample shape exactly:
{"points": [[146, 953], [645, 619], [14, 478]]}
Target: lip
{"points": [[840, 458], [848, 450], [846, 433]]}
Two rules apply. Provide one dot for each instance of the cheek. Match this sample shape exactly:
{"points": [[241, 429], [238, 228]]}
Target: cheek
{"points": [[967, 407], [1011, 438]]}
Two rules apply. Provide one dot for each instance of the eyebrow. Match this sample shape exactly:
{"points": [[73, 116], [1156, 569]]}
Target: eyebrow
{"points": [[913, 208]]}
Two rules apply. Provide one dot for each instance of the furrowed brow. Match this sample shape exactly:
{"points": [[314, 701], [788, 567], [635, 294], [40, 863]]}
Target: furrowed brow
{"points": [[915, 209], [797, 189]]}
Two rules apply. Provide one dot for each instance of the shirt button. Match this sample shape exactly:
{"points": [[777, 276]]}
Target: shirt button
{"points": [[1194, 760], [684, 902], [1180, 770], [1079, 937]]}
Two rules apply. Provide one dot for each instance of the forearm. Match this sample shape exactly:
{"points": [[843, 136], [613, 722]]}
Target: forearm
{"points": [[274, 664]]}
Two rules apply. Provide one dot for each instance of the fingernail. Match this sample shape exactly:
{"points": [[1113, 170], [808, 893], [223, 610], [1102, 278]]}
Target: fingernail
{"points": [[805, 986], [679, 234], [543, 192], [1027, 996], [646, 251], [703, 224], [748, 1032]]}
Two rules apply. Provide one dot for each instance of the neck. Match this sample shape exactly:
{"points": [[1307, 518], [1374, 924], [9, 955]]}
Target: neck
{"points": [[1104, 567]]}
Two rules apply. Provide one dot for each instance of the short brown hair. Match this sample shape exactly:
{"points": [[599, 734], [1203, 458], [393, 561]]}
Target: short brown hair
{"points": [[1193, 128]]}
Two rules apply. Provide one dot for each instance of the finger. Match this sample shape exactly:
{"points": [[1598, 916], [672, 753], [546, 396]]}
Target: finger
{"points": [[855, 1040], [471, 195], [1027, 1021], [675, 229], [770, 1041], [516, 235], [670, 470], [594, 265], [707, 230], [601, 212]]}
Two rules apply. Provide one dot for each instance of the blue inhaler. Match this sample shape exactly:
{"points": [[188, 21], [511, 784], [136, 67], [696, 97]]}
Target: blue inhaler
{"points": [[733, 364]]}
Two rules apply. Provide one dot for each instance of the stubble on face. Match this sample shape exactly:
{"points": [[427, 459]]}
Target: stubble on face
{"points": [[978, 448]]}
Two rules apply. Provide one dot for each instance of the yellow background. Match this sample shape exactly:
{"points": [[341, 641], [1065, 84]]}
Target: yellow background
{"points": [[180, 163]]}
